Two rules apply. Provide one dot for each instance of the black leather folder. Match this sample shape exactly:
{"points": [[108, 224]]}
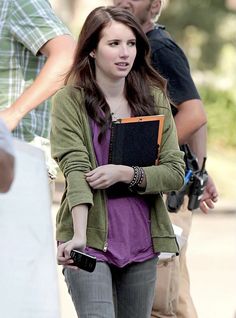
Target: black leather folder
{"points": [[135, 141]]}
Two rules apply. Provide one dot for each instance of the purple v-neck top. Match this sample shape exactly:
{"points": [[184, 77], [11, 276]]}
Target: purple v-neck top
{"points": [[129, 233]]}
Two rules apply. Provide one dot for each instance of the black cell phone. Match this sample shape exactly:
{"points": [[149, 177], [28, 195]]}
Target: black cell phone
{"points": [[83, 260]]}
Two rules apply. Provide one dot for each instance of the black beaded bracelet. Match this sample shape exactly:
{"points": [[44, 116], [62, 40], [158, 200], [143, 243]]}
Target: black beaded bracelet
{"points": [[141, 176], [137, 178]]}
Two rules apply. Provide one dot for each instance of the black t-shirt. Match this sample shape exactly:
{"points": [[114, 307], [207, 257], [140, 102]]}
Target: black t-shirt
{"points": [[170, 61]]}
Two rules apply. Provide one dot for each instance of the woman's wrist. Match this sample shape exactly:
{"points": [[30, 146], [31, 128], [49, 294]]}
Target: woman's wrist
{"points": [[80, 217], [126, 173]]}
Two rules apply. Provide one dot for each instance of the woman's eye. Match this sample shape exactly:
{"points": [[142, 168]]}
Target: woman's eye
{"points": [[113, 43], [132, 43]]}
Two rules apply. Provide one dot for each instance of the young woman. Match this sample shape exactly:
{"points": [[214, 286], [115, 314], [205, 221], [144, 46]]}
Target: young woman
{"points": [[111, 78]]}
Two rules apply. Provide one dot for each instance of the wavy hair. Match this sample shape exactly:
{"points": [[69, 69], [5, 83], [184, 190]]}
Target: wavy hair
{"points": [[137, 83]]}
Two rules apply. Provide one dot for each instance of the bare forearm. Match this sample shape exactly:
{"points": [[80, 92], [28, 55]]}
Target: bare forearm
{"points": [[105, 176], [190, 117], [198, 143], [60, 53], [80, 217], [49, 80]]}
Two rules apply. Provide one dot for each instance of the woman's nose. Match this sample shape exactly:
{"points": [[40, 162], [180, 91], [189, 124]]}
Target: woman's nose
{"points": [[124, 51]]}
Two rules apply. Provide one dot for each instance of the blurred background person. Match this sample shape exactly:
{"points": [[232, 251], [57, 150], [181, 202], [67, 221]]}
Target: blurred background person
{"points": [[36, 50]]}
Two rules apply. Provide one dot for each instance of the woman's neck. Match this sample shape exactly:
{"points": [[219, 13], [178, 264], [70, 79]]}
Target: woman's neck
{"points": [[112, 89], [115, 97]]}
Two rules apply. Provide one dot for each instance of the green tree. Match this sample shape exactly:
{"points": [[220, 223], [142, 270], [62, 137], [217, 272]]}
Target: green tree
{"points": [[198, 26], [221, 111]]}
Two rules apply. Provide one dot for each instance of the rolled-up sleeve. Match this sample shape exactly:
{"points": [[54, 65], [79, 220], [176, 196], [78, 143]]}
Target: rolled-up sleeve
{"points": [[69, 149]]}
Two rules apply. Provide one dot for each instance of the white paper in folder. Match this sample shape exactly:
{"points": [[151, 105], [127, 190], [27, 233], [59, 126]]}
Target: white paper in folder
{"points": [[28, 276]]}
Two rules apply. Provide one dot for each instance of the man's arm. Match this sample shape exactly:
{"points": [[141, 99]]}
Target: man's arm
{"points": [[59, 52], [191, 117], [170, 61], [197, 143]]}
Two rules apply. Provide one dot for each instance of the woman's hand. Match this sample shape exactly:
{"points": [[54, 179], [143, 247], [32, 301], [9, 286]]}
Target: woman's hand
{"points": [[78, 241], [105, 176], [64, 249]]}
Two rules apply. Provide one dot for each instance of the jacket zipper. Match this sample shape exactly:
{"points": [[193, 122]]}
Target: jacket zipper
{"points": [[106, 243], [105, 198], [105, 247]]}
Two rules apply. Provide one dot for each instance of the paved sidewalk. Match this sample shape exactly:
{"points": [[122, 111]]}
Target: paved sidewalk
{"points": [[212, 265]]}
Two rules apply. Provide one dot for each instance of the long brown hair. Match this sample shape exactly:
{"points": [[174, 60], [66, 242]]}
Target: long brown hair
{"points": [[139, 80]]}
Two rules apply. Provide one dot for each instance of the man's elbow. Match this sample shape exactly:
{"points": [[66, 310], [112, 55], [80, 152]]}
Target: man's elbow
{"points": [[199, 113], [201, 118], [193, 112]]}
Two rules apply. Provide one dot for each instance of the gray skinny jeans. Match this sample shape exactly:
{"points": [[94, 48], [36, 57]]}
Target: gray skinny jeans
{"points": [[112, 292]]}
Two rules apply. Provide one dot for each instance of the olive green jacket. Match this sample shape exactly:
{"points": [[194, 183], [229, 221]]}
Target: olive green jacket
{"points": [[72, 148]]}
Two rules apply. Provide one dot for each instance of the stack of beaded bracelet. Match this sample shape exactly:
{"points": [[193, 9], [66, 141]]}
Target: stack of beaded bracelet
{"points": [[137, 178]]}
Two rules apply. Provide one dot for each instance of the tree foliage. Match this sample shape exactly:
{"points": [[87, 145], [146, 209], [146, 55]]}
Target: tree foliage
{"points": [[198, 26], [221, 112]]}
